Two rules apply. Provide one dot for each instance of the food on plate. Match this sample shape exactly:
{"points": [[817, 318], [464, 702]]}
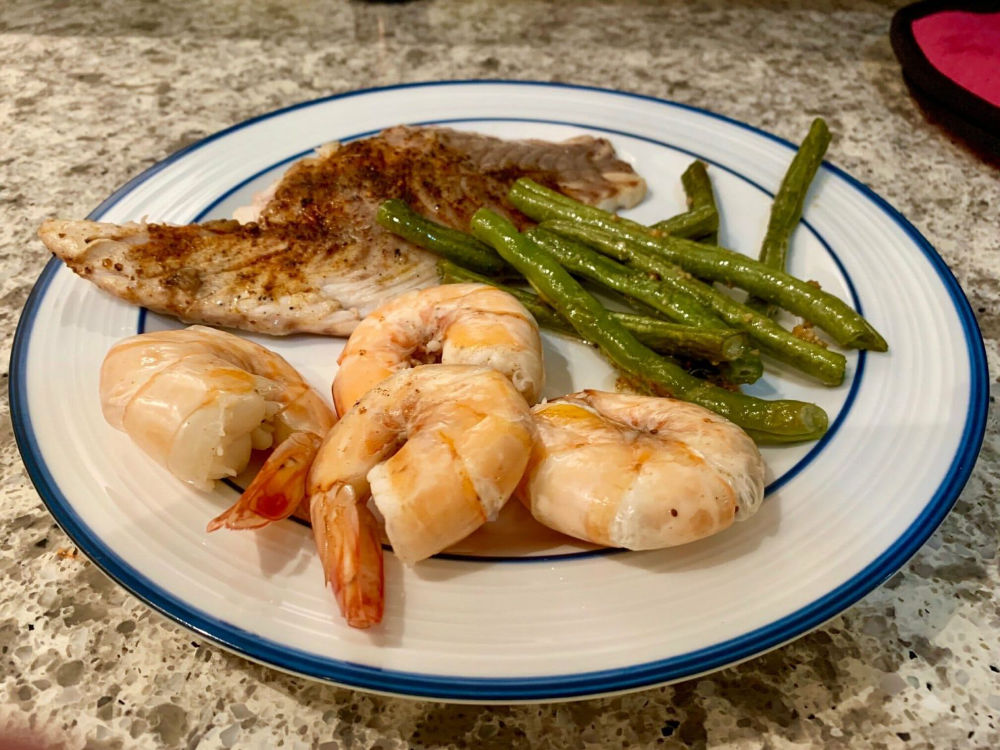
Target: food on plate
{"points": [[275, 280], [780, 420], [198, 401], [447, 172], [786, 208], [643, 247], [711, 344], [669, 269], [429, 452], [453, 244], [460, 324], [311, 257], [639, 472], [462, 252], [674, 297], [701, 220], [436, 382], [672, 286], [438, 448]]}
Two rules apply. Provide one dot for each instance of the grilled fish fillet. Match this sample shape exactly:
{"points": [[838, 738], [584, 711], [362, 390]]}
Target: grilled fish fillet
{"points": [[308, 255]]}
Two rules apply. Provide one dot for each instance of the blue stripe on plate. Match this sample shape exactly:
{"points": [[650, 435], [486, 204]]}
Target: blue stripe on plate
{"points": [[526, 688]]}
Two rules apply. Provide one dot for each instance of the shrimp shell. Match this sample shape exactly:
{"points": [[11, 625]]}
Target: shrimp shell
{"points": [[438, 448], [198, 400], [639, 472], [472, 324]]}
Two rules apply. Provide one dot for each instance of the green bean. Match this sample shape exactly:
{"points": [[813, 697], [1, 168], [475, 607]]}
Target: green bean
{"points": [[671, 300], [672, 297], [784, 419], [460, 247], [710, 344], [786, 209], [693, 223], [698, 186], [824, 310], [701, 220], [823, 364], [399, 218], [540, 203], [698, 189], [667, 338], [764, 438]]}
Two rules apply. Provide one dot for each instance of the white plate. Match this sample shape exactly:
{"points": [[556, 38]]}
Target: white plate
{"points": [[539, 622]]}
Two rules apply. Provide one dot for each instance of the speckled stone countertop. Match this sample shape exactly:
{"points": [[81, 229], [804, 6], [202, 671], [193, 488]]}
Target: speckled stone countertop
{"points": [[93, 93]]}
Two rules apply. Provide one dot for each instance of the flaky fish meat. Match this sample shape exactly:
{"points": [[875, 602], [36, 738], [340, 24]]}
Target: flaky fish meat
{"points": [[307, 256]]}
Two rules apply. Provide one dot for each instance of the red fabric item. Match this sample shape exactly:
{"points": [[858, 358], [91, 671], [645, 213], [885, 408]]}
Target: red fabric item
{"points": [[965, 47]]}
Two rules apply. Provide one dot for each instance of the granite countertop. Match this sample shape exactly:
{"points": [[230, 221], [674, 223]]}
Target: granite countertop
{"points": [[93, 93]]}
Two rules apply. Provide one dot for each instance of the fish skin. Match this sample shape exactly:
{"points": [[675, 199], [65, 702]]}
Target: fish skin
{"points": [[308, 256]]}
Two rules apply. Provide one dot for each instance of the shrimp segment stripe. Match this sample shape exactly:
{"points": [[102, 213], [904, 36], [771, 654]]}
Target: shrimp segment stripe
{"points": [[513, 689]]}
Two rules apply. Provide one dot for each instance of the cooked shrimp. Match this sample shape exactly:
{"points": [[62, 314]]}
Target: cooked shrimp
{"points": [[639, 472], [198, 401], [438, 448], [468, 324]]}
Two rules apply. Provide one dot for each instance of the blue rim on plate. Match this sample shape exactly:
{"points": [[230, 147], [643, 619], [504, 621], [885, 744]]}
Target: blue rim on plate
{"points": [[419, 685]]}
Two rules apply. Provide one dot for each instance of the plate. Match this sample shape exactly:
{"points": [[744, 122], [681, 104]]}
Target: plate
{"points": [[547, 620]]}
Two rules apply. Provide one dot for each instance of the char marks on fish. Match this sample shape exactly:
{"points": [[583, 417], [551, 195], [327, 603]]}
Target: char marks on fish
{"points": [[308, 256]]}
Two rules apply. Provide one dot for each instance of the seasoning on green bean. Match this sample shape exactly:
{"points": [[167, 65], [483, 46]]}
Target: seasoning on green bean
{"points": [[786, 209], [558, 237], [460, 247], [671, 296], [833, 315], [711, 345], [784, 419]]}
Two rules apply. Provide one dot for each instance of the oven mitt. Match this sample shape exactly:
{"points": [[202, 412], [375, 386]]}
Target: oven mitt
{"points": [[950, 55]]}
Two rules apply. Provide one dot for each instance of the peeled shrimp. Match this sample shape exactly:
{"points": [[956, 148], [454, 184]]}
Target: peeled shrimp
{"points": [[438, 448], [471, 324], [198, 401], [639, 472]]}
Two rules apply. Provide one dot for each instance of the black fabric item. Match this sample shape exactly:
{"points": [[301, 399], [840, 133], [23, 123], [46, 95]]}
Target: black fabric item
{"points": [[954, 107]]}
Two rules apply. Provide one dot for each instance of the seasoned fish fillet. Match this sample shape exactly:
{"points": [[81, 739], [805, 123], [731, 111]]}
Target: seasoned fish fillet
{"points": [[308, 255], [276, 280]]}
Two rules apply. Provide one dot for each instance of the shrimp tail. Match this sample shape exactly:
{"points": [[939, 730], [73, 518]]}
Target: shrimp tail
{"points": [[350, 549], [278, 488]]}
